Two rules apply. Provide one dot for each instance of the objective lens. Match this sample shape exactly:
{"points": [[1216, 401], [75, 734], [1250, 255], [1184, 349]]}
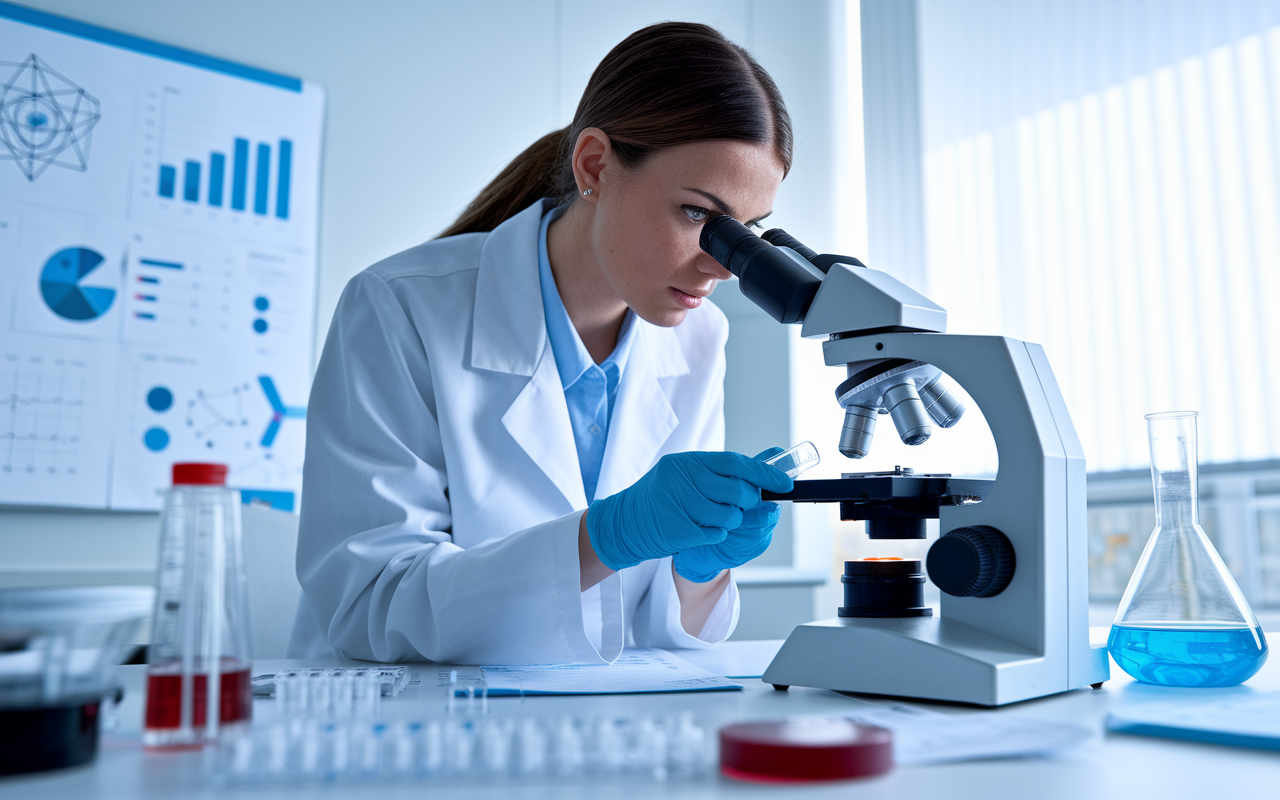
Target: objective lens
{"points": [[859, 428], [908, 413], [942, 405]]}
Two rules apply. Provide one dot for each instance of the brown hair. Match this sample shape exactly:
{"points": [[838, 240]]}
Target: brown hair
{"points": [[667, 84]]}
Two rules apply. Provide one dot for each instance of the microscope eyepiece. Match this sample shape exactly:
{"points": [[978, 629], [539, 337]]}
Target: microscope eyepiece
{"points": [[780, 238], [781, 285]]}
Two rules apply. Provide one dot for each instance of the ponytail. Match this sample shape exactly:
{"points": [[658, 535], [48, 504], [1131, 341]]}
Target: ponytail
{"points": [[531, 176], [668, 84]]}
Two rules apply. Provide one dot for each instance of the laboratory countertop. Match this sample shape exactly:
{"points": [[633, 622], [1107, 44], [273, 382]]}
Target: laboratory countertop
{"points": [[1108, 765]]}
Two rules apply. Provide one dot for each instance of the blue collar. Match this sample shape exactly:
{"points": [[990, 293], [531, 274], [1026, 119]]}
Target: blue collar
{"points": [[572, 358]]}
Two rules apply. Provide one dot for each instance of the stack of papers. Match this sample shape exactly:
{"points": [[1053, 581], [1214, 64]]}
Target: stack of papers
{"points": [[635, 672]]}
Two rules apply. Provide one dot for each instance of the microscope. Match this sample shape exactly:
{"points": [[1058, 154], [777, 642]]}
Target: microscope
{"points": [[1011, 562]]}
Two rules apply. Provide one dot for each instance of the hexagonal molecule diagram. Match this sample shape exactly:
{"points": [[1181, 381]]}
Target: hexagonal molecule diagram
{"points": [[45, 119]]}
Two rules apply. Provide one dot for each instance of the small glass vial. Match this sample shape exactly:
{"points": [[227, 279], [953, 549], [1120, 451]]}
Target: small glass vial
{"points": [[1183, 621], [198, 673]]}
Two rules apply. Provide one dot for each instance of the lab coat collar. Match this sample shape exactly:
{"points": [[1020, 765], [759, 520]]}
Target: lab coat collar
{"points": [[510, 335], [508, 331]]}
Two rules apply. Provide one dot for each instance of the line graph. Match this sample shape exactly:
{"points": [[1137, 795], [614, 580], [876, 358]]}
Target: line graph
{"points": [[41, 404]]}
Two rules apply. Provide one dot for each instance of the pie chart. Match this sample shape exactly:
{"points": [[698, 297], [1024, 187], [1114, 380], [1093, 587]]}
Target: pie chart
{"points": [[60, 285]]}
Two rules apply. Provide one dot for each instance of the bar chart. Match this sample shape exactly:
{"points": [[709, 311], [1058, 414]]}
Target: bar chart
{"points": [[268, 158], [179, 290], [209, 164]]}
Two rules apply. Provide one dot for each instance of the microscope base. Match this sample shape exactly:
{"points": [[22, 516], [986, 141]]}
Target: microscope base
{"points": [[930, 658]]}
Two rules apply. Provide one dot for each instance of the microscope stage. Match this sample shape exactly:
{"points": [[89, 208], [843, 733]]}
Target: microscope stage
{"points": [[888, 488]]}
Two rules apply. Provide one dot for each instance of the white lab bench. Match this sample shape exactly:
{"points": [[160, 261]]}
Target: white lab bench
{"points": [[1108, 766]]}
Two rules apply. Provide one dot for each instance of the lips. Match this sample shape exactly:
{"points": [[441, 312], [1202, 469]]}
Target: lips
{"points": [[686, 299]]}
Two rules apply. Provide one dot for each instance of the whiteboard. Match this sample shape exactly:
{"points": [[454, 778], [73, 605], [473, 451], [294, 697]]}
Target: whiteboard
{"points": [[158, 218]]}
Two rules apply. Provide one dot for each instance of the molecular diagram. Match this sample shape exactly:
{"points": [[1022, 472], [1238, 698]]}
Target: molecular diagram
{"points": [[45, 119]]}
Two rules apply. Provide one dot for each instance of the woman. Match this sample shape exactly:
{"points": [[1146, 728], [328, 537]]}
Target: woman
{"points": [[476, 393]]}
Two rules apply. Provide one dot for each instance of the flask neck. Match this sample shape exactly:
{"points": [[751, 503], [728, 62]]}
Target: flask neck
{"points": [[1176, 510], [1173, 468]]}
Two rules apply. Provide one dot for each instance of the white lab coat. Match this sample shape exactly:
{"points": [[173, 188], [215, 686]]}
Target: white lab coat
{"points": [[442, 490]]}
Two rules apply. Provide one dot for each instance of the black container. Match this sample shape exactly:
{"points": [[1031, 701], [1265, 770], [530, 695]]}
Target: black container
{"points": [[884, 589], [60, 645], [49, 737]]}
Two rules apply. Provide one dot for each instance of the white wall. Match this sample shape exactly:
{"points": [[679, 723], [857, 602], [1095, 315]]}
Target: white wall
{"points": [[426, 102]]}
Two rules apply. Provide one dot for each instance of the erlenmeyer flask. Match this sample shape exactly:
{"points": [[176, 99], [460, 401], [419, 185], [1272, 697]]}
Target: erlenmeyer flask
{"points": [[1183, 620]]}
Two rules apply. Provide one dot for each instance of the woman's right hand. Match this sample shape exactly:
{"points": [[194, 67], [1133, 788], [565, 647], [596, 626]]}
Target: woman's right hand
{"points": [[686, 500]]}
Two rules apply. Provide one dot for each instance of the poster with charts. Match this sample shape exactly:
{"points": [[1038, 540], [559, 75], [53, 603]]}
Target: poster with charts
{"points": [[158, 214]]}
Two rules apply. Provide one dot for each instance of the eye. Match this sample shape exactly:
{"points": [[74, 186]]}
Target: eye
{"points": [[696, 214]]}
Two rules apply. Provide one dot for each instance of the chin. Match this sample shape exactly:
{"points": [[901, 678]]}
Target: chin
{"points": [[663, 318]]}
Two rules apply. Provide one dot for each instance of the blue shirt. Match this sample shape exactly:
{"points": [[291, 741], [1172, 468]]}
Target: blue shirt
{"points": [[590, 389]]}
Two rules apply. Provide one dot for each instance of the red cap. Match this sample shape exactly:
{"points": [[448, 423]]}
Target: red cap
{"points": [[199, 474], [804, 749]]}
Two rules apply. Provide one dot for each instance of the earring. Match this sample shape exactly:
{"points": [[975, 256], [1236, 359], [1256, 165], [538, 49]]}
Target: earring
{"points": [[587, 193]]}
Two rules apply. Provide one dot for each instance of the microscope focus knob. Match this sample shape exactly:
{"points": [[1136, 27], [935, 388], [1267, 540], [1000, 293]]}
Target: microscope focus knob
{"points": [[971, 562]]}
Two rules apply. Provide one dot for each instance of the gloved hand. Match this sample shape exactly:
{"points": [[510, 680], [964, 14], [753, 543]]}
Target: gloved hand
{"points": [[703, 563], [686, 500]]}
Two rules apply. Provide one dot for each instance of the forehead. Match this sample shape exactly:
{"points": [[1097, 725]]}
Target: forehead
{"points": [[743, 174]]}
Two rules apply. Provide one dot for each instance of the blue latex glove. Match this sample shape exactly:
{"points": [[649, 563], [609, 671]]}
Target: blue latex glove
{"points": [[703, 563], [686, 500]]}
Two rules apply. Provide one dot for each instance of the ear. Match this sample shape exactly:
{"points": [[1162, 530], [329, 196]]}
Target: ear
{"points": [[591, 154]]}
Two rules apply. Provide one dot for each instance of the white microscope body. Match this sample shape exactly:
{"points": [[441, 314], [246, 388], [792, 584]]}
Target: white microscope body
{"points": [[1030, 637]]}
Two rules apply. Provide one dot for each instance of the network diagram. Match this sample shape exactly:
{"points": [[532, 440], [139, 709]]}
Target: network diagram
{"points": [[209, 412], [45, 119]]}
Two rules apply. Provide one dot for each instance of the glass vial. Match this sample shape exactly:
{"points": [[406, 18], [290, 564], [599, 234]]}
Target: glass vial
{"points": [[198, 667], [1183, 620]]}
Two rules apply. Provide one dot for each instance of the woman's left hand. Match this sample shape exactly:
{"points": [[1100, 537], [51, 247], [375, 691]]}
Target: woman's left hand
{"points": [[703, 563]]}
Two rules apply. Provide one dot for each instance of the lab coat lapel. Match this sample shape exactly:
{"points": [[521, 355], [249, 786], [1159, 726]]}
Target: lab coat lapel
{"points": [[539, 422], [643, 418], [509, 335]]}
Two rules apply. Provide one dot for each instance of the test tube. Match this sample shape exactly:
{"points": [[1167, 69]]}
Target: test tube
{"points": [[485, 749], [796, 460], [367, 694]]}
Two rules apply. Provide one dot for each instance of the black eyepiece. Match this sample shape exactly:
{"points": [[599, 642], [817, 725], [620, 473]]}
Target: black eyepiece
{"points": [[770, 278], [780, 238]]}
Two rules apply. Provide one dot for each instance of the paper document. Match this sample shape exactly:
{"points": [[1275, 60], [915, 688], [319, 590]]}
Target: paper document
{"points": [[745, 659], [635, 671], [923, 737], [1245, 720]]}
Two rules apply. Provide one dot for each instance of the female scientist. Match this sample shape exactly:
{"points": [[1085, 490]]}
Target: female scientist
{"points": [[551, 353]]}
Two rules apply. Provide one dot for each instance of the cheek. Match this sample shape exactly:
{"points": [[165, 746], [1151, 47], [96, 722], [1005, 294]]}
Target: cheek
{"points": [[649, 255]]}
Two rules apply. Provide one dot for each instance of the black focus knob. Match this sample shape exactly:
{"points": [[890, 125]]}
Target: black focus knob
{"points": [[971, 562]]}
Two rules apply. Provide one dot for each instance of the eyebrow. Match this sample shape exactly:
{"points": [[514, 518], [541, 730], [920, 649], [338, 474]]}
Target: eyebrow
{"points": [[723, 207]]}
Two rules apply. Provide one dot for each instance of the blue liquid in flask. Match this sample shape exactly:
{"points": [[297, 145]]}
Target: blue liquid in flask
{"points": [[1197, 656]]}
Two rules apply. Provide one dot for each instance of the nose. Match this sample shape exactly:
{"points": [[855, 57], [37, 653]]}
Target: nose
{"points": [[709, 266]]}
